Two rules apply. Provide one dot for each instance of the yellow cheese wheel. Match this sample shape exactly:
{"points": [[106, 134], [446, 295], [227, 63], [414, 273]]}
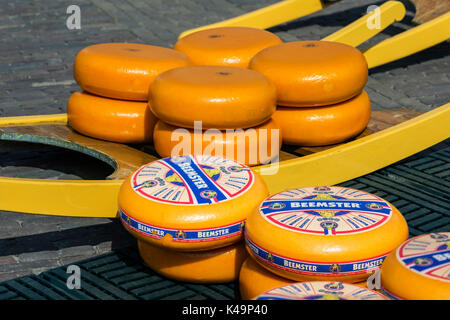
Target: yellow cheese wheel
{"points": [[190, 203], [312, 73], [220, 97], [419, 269], [321, 290], [109, 119], [324, 233], [320, 126], [123, 70], [255, 280], [225, 46], [252, 146], [213, 266]]}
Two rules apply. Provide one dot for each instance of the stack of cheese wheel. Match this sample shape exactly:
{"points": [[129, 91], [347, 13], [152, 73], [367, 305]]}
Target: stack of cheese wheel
{"points": [[320, 290], [215, 110], [318, 234], [188, 214], [419, 269], [320, 90], [115, 78]]}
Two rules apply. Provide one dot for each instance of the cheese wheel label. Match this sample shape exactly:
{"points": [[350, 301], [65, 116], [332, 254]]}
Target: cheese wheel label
{"points": [[428, 255], [390, 295], [311, 268], [330, 211], [183, 235], [192, 180], [320, 290]]}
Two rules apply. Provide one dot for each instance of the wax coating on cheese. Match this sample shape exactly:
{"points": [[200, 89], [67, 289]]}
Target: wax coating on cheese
{"points": [[124, 70], [212, 266], [226, 46], [323, 233], [190, 203], [419, 269]]}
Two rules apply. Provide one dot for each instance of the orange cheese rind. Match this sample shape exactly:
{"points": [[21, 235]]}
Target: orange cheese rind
{"points": [[324, 233], [109, 119], [312, 73], [214, 266], [190, 203], [220, 97], [226, 46], [419, 269], [124, 70], [251, 146], [321, 126], [254, 280]]}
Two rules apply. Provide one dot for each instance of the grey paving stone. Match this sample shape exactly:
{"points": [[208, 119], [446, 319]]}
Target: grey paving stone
{"points": [[78, 250], [36, 256], [29, 267], [8, 260], [80, 222], [73, 259]]}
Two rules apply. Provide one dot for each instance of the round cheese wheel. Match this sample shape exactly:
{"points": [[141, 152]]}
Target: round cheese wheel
{"points": [[123, 70], [312, 73], [419, 269], [252, 146], [225, 46], [220, 97], [255, 280], [324, 233], [190, 203], [321, 290], [109, 119], [320, 126], [213, 266]]}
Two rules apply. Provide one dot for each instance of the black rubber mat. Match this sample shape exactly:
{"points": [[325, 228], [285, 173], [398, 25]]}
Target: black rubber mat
{"points": [[418, 187], [116, 275]]}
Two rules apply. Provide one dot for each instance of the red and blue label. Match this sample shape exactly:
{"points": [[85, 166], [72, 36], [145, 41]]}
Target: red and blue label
{"points": [[326, 210], [320, 290], [312, 268], [183, 235], [427, 255], [192, 180]]}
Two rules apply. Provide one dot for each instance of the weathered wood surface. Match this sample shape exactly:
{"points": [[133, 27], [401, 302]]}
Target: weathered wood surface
{"points": [[427, 10]]}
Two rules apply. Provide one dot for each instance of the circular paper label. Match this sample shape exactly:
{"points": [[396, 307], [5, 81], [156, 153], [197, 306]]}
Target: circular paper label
{"points": [[326, 210], [321, 290], [192, 180], [428, 255]]}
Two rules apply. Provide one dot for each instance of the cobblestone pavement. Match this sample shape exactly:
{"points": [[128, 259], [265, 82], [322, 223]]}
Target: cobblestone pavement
{"points": [[36, 60]]}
